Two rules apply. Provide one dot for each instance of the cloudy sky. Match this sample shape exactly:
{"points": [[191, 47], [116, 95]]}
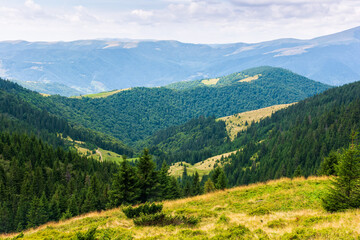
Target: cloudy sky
{"points": [[196, 21]]}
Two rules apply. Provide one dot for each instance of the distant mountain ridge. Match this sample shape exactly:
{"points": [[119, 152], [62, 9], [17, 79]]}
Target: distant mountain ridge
{"points": [[90, 66]]}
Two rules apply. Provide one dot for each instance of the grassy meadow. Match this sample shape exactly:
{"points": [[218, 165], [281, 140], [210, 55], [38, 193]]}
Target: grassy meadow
{"points": [[203, 167], [102, 94], [241, 121], [280, 209]]}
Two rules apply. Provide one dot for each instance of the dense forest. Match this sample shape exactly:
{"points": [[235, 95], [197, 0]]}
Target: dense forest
{"points": [[40, 183], [18, 115], [294, 141], [192, 142], [134, 114]]}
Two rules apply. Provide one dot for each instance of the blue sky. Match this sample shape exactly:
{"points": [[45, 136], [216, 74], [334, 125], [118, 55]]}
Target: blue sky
{"points": [[196, 21]]}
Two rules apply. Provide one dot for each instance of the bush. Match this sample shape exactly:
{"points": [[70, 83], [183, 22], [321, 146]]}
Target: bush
{"points": [[89, 235], [223, 219], [259, 211], [279, 223], [161, 219], [144, 209]]}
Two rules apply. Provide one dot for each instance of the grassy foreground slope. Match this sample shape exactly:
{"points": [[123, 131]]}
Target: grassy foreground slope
{"points": [[281, 209]]}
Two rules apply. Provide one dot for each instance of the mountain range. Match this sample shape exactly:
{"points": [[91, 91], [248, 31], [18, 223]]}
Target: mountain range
{"points": [[90, 66]]}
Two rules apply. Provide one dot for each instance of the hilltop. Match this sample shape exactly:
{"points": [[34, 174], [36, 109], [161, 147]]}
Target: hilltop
{"points": [[280, 209]]}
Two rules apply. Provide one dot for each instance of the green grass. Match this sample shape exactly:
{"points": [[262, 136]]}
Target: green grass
{"points": [[101, 94], [293, 211]]}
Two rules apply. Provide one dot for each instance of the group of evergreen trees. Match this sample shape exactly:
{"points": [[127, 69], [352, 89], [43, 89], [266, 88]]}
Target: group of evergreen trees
{"points": [[40, 183], [294, 141]]}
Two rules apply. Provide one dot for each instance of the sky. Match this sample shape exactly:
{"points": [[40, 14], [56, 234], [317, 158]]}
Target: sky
{"points": [[192, 21]]}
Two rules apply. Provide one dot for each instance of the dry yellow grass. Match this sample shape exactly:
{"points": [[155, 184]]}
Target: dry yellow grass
{"points": [[212, 81], [249, 79], [203, 167], [294, 213], [237, 123], [102, 94], [44, 94]]}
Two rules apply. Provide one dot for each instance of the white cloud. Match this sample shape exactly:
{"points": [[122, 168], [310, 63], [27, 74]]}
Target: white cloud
{"points": [[142, 13], [184, 20], [32, 5]]}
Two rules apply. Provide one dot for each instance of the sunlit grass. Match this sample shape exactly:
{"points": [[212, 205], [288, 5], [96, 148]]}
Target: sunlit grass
{"points": [[294, 212]]}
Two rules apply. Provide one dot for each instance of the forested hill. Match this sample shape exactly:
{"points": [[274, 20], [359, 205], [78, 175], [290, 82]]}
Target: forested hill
{"points": [[135, 114], [294, 141], [19, 115]]}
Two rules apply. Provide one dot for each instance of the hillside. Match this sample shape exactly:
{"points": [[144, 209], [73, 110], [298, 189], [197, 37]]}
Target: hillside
{"points": [[92, 66], [281, 209], [296, 139], [18, 114], [133, 115], [241, 121]]}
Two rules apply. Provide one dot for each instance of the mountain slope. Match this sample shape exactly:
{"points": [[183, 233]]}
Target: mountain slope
{"points": [[294, 212], [295, 140], [21, 116], [137, 113], [90, 66]]}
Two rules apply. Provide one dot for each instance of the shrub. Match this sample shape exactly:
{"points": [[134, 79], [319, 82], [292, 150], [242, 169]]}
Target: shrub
{"points": [[279, 223], [259, 211], [236, 232], [144, 209], [161, 219], [223, 219], [89, 235]]}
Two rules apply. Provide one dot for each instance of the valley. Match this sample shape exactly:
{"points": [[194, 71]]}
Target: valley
{"points": [[93, 153], [179, 119]]}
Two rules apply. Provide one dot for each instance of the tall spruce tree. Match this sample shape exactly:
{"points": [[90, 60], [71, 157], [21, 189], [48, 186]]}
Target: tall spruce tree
{"points": [[148, 178], [124, 189], [345, 190]]}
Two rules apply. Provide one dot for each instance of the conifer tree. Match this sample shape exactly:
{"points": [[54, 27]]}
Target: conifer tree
{"points": [[124, 189], [209, 186], [221, 181], [196, 188], [32, 215], [43, 209], [345, 190], [148, 178]]}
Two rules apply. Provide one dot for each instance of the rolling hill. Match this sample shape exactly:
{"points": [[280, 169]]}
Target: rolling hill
{"points": [[281, 209], [92, 66], [295, 140], [134, 114]]}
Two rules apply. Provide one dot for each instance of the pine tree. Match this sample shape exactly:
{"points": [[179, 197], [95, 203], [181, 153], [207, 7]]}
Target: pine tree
{"points": [[174, 189], [165, 181], [327, 167], [124, 189], [345, 191], [91, 202], [196, 188], [43, 210], [221, 181], [32, 216], [209, 186], [148, 179]]}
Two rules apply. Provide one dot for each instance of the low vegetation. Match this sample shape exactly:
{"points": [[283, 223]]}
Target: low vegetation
{"points": [[101, 94], [203, 167], [293, 211], [241, 121]]}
